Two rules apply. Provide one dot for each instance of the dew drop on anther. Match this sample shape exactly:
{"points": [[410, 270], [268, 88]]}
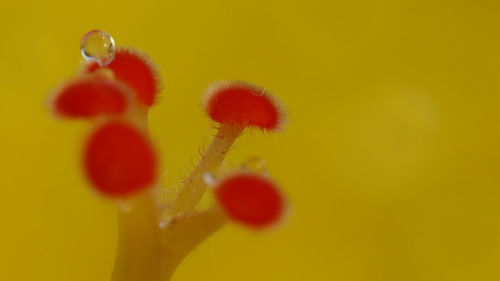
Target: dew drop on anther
{"points": [[98, 46]]}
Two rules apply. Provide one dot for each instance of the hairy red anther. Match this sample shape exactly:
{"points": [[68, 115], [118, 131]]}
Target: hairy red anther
{"points": [[119, 160], [136, 70], [90, 96], [243, 104], [250, 199]]}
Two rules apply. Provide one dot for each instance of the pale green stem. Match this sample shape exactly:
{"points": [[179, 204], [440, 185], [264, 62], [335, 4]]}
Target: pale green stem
{"points": [[183, 234], [139, 241], [194, 186]]}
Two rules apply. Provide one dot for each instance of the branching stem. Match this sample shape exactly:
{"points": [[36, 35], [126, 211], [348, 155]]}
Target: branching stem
{"points": [[149, 252]]}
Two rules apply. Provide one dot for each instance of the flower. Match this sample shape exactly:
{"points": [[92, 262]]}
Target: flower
{"points": [[121, 163]]}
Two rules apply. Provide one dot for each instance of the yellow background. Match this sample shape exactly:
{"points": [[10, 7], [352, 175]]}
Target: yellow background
{"points": [[390, 158]]}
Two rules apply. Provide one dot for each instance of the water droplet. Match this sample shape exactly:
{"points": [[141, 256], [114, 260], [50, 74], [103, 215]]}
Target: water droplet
{"points": [[98, 46], [256, 165]]}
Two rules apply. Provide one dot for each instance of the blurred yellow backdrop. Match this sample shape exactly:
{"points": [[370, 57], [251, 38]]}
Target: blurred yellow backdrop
{"points": [[390, 158]]}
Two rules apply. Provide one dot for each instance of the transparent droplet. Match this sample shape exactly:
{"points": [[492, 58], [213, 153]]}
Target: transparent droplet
{"points": [[255, 165], [98, 46]]}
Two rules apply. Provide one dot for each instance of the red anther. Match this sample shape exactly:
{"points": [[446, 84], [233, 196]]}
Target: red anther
{"points": [[119, 160], [90, 96], [243, 104], [136, 70], [250, 199]]}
